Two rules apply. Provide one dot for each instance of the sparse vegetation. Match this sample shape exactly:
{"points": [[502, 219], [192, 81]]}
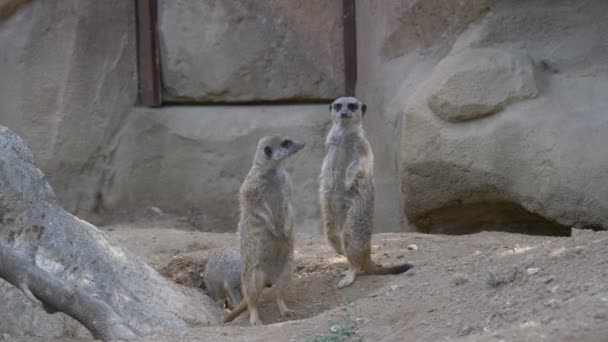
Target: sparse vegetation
{"points": [[343, 330]]}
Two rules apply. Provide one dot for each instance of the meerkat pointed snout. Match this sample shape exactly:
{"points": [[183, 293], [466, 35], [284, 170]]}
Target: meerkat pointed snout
{"points": [[266, 226], [347, 190]]}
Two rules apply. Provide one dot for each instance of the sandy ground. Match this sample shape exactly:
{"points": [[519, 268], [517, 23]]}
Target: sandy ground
{"points": [[481, 287]]}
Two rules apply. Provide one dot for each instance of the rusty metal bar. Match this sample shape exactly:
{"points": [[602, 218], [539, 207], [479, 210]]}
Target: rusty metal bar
{"points": [[350, 46], [148, 67]]}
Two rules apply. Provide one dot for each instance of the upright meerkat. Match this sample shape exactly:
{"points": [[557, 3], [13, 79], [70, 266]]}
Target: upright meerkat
{"points": [[222, 276], [266, 230], [347, 191]]}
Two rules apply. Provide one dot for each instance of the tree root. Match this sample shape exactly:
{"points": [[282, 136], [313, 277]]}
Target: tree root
{"points": [[57, 295]]}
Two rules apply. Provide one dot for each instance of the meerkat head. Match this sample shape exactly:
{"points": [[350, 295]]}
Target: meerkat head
{"points": [[274, 149], [346, 110]]}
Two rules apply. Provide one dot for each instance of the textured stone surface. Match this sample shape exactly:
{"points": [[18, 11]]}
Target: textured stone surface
{"points": [[201, 155], [538, 165], [399, 43], [19, 316], [68, 80], [478, 82], [235, 50], [76, 251], [71, 92]]}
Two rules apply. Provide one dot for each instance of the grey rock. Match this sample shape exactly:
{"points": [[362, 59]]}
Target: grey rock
{"points": [[537, 166], [67, 248], [196, 158], [478, 82], [235, 50]]}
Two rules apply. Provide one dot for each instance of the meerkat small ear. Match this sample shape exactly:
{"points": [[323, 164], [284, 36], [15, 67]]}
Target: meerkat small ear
{"points": [[363, 109], [268, 152], [330, 105]]}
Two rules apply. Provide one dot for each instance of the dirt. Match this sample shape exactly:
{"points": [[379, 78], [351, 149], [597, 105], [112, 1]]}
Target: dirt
{"points": [[489, 286]]}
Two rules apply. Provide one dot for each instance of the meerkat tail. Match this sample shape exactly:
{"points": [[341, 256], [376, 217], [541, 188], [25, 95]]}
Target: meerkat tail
{"points": [[236, 312], [372, 268]]}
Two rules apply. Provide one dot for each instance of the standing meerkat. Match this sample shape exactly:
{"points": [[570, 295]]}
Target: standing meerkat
{"points": [[347, 191], [266, 227], [222, 276]]}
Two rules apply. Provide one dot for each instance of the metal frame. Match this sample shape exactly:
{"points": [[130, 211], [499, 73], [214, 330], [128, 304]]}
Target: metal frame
{"points": [[148, 65], [350, 46], [148, 62]]}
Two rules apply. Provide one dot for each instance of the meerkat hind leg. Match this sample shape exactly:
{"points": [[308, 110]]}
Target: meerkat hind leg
{"points": [[357, 249], [252, 290], [282, 287], [331, 229]]}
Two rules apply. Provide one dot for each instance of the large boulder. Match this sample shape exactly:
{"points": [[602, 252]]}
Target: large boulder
{"points": [[478, 82], [249, 50], [540, 162], [64, 247]]}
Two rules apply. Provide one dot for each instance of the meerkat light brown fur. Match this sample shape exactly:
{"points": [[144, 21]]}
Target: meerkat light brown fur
{"points": [[347, 191], [222, 276], [266, 227]]}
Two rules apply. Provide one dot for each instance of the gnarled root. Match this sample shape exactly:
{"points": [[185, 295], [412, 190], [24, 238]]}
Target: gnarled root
{"points": [[57, 295]]}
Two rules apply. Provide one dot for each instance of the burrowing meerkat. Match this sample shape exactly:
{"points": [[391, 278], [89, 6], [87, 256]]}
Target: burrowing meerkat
{"points": [[266, 227], [222, 276], [347, 190]]}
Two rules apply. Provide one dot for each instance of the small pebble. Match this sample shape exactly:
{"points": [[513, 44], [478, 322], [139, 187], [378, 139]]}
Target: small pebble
{"points": [[553, 303], [412, 247], [465, 331], [459, 279], [335, 327], [532, 270]]}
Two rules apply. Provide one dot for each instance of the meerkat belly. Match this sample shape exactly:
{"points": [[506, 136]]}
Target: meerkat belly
{"points": [[273, 259], [333, 186], [333, 172]]}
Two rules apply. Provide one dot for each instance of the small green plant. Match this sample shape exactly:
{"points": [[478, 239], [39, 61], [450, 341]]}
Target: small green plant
{"points": [[496, 279], [343, 330]]}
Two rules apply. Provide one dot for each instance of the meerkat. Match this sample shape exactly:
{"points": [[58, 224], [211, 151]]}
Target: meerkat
{"points": [[222, 276], [347, 191], [266, 226]]}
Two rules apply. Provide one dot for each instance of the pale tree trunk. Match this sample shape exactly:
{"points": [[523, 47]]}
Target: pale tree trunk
{"points": [[55, 294], [70, 266]]}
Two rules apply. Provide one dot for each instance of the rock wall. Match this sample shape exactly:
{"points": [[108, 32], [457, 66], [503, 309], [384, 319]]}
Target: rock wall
{"points": [[194, 159], [508, 129], [250, 50], [492, 108], [497, 108], [398, 43], [499, 116], [71, 93], [68, 81]]}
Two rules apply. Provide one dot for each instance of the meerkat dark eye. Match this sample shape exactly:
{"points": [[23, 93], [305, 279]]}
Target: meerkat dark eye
{"points": [[268, 152], [286, 143], [337, 106], [353, 107]]}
